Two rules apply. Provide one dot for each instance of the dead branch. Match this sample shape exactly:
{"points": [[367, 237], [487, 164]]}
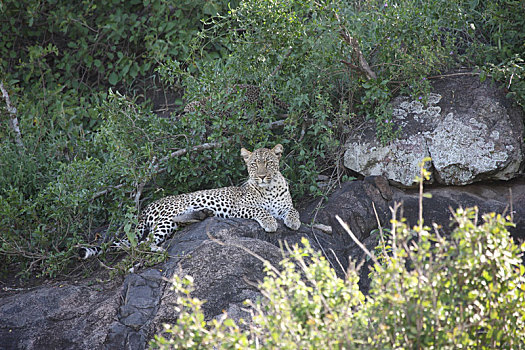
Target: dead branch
{"points": [[154, 169], [13, 121], [356, 240], [183, 151], [362, 65], [107, 190]]}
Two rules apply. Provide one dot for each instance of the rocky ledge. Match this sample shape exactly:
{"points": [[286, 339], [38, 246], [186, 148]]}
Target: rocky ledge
{"points": [[125, 314]]}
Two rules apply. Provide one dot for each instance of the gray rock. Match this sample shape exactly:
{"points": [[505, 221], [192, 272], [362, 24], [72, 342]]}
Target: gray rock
{"points": [[57, 317], [398, 161], [468, 128], [355, 201], [480, 134]]}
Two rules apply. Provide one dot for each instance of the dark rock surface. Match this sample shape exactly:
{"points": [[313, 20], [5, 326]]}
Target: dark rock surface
{"points": [[221, 255], [353, 203], [57, 317]]}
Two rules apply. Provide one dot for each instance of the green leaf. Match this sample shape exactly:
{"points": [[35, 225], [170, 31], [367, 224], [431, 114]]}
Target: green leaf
{"points": [[113, 78], [209, 8]]}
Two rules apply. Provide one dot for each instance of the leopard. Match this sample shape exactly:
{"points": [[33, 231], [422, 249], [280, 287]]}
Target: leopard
{"points": [[264, 197], [248, 93]]}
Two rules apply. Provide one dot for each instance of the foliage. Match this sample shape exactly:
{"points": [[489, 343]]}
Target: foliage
{"points": [[93, 156], [497, 45], [467, 290], [81, 45], [294, 66], [512, 73]]}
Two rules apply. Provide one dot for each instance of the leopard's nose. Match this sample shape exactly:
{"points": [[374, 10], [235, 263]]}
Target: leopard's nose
{"points": [[263, 179]]}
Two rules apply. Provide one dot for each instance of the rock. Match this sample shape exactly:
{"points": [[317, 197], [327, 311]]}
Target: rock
{"points": [[354, 202], [399, 160], [469, 128], [501, 197], [222, 255], [57, 317], [480, 134]]}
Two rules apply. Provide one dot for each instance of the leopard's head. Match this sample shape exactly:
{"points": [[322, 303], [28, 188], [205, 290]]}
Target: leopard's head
{"points": [[262, 164]]}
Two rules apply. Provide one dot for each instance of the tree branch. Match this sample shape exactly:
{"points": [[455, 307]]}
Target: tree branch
{"points": [[155, 168], [183, 151], [362, 65], [13, 121], [107, 190]]}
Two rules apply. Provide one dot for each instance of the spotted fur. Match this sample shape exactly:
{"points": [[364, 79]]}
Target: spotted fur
{"points": [[249, 94], [264, 198]]}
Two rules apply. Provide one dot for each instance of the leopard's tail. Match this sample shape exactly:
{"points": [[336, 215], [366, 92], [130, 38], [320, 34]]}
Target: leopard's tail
{"points": [[88, 252]]}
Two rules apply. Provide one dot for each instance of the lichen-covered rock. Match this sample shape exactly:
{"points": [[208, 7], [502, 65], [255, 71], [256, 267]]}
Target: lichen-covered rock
{"points": [[469, 128], [399, 160], [479, 135]]}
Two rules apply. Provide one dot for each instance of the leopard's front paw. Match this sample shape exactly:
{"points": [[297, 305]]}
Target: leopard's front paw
{"points": [[270, 225], [292, 220]]}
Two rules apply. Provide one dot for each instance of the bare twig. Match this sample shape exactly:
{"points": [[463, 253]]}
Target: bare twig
{"points": [[340, 265], [321, 227], [381, 235], [138, 193], [354, 238], [107, 190], [155, 169], [280, 64], [13, 121], [439, 76], [183, 151], [277, 124]]}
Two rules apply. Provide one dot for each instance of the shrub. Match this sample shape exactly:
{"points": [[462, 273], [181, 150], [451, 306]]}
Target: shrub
{"points": [[87, 45], [463, 291], [467, 290], [305, 306]]}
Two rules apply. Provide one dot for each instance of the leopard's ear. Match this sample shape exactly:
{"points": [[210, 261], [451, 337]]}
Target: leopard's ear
{"points": [[278, 150], [245, 154]]}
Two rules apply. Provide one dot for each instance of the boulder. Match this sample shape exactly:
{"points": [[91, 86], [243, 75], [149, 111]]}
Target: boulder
{"points": [[469, 128], [399, 160], [357, 203], [57, 316]]}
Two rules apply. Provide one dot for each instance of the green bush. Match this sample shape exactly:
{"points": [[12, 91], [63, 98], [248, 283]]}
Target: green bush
{"points": [[462, 291], [86, 45], [305, 306], [93, 157], [497, 44]]}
